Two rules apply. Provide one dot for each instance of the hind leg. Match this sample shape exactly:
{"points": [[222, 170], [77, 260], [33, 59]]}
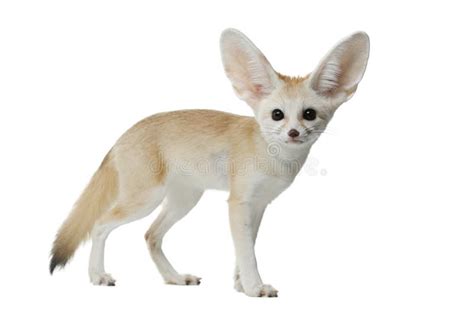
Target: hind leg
{"points": [[126, 211], [177, 204]]}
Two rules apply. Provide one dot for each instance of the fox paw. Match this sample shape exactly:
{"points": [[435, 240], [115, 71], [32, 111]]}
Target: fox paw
{"points": [[184, 279], [264, 290], [103, 279]]}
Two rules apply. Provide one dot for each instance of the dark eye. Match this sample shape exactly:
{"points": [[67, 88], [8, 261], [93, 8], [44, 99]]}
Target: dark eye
{"points": [[277, 115], [309, 114]]}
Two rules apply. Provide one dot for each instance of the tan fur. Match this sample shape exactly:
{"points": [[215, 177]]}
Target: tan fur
{"points": [[95, 199], [292, 80], [179, 135]]}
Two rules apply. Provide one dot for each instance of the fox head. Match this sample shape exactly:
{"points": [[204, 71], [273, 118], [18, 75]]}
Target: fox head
{"points": [[293, 111]]}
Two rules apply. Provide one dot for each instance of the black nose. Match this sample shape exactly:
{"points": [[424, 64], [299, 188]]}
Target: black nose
{"points": [[293, 133]]}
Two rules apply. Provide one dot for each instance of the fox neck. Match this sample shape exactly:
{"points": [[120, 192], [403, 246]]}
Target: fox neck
{"points": [[293, 153]]}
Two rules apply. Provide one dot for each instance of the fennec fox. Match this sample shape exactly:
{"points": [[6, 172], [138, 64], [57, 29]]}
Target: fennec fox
{"points": [[174, 157]]}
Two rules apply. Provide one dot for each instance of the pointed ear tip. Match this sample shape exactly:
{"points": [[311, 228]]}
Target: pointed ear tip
{"points": [[361, 36], [229, 32]]}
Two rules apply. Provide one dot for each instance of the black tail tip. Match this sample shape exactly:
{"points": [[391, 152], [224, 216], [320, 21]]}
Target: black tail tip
{"points": [[55, 263]]}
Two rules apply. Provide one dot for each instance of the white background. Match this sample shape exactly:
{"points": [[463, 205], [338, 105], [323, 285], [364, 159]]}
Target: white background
{"points": [[381, 224]]}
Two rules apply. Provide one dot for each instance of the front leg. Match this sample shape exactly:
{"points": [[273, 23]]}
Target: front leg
{"points": [[245, 218], [256, 219]]}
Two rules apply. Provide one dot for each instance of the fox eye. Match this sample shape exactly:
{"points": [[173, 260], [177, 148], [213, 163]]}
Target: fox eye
{"points": [[277, 115], [309, 114]]}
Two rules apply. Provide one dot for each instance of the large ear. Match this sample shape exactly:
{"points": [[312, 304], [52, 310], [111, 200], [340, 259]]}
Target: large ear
{"points": [[250, 73], [343, 68]]}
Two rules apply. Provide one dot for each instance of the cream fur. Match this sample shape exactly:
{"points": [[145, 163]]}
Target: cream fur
{"points": [[176, 156]]}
